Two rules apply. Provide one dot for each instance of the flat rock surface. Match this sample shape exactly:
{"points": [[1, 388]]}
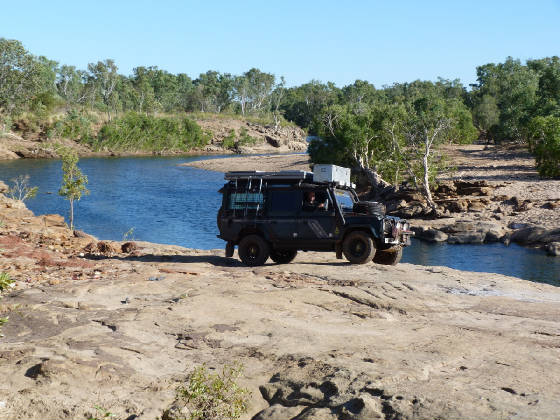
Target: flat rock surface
{"points": [[318, 338]]}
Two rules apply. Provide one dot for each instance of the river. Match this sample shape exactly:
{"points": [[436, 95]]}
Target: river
{"points": [[153, 199]]}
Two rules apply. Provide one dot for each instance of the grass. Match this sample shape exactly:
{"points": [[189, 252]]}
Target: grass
{"points": [[214, 395], [5, 281], [102, 413]]}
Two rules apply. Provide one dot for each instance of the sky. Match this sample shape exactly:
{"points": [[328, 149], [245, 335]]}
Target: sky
{"points": [[339, 41]]}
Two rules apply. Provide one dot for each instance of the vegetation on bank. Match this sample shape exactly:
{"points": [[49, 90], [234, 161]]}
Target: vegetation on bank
{"points": [[148, 133], [503, 106]]}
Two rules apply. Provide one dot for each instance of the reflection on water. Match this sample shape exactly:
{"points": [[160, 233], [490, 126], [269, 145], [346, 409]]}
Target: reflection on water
{"points": [[172, 204]]}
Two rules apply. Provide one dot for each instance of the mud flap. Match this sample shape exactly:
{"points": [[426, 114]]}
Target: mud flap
{"points": [[229, 249], [338, 249]]}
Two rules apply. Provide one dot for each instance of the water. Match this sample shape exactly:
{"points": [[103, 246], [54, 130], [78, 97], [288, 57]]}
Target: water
{"points": [[166, 203]]}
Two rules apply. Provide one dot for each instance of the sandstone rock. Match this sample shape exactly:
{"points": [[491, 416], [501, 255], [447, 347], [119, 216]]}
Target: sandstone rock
{"points": [[280, 412], [177, 411], [528, 235], [319, 413], [550, 205], [553, 248], [128, 247], [3, 187], [430, 234], [476, 206], [467, 238], [53, 220], [273, 141], [363, 407]]}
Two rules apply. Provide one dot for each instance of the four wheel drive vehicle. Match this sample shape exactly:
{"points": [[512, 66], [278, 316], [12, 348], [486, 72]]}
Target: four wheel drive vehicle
{"points": [[275, 214]]}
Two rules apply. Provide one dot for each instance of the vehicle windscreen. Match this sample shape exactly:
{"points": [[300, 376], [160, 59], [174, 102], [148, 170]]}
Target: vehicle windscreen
{"points": [[345, 199]]}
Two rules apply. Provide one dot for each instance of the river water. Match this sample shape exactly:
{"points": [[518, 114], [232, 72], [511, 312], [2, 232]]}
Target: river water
{"points": [[154, 199]]}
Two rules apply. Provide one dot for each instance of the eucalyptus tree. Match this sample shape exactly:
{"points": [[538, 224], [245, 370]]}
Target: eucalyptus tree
{"points": [[70, 85], [20, 78], [104, 77]]}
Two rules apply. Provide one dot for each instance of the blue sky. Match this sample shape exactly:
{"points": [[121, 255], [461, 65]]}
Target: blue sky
{"points": [[379, 41]]}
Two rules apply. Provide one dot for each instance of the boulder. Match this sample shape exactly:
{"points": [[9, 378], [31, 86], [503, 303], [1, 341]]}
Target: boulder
{"points": [[528, 235], [3, 187], [430, 234], [53, 220], [476, 206], [128, 247], [279, 412], [272, 141], [553, 248], [550, 205], [467, 238]]}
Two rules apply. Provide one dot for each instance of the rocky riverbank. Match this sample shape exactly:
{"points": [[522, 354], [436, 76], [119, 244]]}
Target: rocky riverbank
{"points": [[121, 325]]}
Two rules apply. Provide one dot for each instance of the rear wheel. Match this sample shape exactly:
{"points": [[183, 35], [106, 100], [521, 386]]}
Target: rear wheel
{"points": [[253, 250], [358, 247], [283, 256], [389, 256]]}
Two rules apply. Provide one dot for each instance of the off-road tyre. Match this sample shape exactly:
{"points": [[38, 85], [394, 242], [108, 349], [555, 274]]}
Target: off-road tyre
{"points": [[253, 250], [283, 256], [388, 257], [358, 247], [370, 207]]}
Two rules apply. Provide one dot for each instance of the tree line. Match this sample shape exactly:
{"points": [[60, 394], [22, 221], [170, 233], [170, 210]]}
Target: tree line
{"points": [[392, 132]]}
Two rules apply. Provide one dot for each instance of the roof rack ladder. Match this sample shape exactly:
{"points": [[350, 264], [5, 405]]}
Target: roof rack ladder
{"points": [[247, 196], [259, 202]]}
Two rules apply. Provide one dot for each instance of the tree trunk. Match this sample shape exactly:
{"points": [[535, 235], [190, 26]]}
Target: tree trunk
{"points": [[378, 184], [71, 214], [426, 183]]}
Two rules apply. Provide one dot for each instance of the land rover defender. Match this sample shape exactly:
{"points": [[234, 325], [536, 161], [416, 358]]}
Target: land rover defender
{"points": [[277, 214]]}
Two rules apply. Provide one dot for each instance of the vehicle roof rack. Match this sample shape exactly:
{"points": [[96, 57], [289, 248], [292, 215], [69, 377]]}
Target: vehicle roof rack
{"points": [[279, 175]]}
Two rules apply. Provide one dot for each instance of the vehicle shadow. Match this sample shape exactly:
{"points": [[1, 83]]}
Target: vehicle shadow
{"points": [[214, 260]]}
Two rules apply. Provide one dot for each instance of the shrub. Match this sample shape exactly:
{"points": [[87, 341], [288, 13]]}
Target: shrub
{"points": [[214, 396], [245, 139], [148, 133], [5, 281], [21, 190], [544, 143], [229, 141], [75, 125]]}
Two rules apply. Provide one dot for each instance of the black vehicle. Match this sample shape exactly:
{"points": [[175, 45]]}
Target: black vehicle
{"points": [[275, 214]]}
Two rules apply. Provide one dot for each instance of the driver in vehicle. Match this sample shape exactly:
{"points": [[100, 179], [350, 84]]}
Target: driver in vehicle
{"points": [[310, 203]]}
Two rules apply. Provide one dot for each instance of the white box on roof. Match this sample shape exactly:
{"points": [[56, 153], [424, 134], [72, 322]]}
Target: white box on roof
{"points": [[332, 173]]}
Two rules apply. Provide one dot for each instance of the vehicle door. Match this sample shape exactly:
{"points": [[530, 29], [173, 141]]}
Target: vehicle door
{"points": [[318, 221], [283, 205]]}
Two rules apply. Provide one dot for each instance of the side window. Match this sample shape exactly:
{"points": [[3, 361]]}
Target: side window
{"points": [[284, 203], [316, 201], [242, 201]]}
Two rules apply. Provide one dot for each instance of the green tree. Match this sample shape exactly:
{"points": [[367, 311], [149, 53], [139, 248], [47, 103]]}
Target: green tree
{"points": [[73, 180], [544, 142], [104, 78], [20, 79], [486, 115]]}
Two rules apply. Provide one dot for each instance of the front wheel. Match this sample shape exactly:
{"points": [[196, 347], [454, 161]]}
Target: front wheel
{"points": [[388, 257], [358, 247], [253, 250], [283, 256]]}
